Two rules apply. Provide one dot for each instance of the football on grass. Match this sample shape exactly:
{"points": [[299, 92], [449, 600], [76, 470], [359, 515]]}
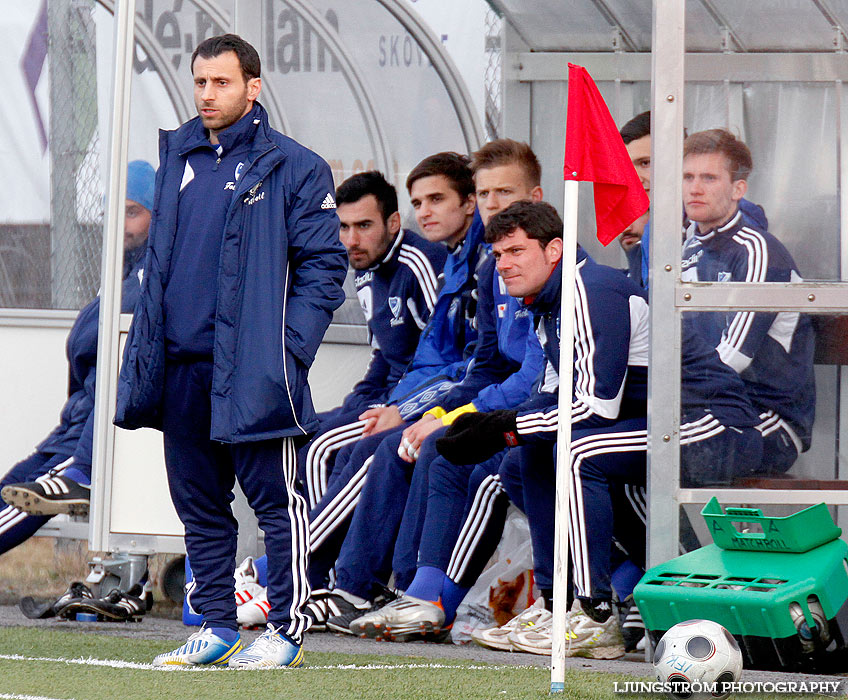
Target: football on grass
{"points": [[695, 658]]}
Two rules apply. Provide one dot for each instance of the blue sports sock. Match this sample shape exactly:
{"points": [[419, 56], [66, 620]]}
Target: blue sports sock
{"points": [[427, 583], [76, 475], [225, 633], [452, 595], [261, 565], [625, 578]]}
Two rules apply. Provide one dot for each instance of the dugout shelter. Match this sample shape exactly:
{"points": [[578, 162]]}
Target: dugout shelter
{"points": [[367, 83]]}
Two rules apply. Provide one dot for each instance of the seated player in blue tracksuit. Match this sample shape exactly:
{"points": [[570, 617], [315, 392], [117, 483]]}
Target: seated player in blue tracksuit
{"points": [[610, 380], [396, 281], [441, 189], [771, 351], [635, 239], [56, 477], [608, 455]]}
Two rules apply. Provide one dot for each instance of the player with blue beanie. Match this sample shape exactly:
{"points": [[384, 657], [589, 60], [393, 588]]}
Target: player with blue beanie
{"points": [[56, 478]]}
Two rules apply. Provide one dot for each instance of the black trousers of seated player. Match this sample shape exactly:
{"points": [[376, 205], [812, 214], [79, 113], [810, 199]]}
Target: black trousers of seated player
{"points": [[201, 477]]}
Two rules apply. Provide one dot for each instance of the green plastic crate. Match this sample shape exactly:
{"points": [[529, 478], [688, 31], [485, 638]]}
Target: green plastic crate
{"points": [[748, 585], [799, 532]]}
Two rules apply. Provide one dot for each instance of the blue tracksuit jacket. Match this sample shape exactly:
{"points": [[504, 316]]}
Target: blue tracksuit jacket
{"points": [[447, 343], [771, 352], [508, 357], [279, 280], [397, 296]]}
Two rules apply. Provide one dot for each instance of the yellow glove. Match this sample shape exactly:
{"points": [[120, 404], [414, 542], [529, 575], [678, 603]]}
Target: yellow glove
{"points": [[449, 418]]}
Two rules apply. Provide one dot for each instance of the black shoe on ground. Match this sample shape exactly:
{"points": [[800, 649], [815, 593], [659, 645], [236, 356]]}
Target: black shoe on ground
{"points": [[49, 495], [341, 621], [341, 612], [40, 610], [115, 606], [632, 626]]}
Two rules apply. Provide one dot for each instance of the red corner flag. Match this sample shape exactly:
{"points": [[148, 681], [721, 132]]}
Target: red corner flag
{"points": [[594, 152]]}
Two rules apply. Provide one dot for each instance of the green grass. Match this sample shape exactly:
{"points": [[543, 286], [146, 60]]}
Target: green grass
{"points": [[46, 672], [320, 678]]}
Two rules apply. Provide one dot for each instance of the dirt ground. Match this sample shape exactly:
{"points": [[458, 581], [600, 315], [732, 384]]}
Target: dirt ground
{"points": [[43, 567]]}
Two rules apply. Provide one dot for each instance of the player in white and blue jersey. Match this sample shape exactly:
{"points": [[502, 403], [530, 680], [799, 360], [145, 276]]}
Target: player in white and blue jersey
{"points": [[396, 279], [772, 352]]}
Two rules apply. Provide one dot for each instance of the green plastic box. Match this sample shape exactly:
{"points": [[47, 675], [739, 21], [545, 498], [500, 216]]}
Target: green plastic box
{"points": [[747, 580]]}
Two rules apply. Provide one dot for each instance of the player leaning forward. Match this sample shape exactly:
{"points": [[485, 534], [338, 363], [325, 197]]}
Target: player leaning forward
{"points": [[245, 269]]}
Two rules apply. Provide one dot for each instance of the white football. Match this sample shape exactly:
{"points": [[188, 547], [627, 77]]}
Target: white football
{"points": [[698, 656]]}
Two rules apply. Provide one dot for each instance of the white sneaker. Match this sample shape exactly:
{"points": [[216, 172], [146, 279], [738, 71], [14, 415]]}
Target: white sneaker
{"points": [[597, 640], [269, 650], [202, 648], [498, 637], [401, 620], [247, 582], [254, 613], [584, 636]]}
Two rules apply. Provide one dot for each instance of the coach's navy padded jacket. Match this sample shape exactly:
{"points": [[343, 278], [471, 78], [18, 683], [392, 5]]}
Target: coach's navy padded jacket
{"points": [[279, 280]]}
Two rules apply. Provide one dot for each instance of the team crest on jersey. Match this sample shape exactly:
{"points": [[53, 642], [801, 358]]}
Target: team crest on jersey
{"points": [[239, 169], [724, 276], [395, 306]]}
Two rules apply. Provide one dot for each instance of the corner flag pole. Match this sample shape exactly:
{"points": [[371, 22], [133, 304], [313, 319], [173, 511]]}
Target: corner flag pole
{"points": [[563, 452], [594, 152]]}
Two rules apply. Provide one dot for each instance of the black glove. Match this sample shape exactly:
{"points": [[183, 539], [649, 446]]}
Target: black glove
{"points": [[474, 437]]}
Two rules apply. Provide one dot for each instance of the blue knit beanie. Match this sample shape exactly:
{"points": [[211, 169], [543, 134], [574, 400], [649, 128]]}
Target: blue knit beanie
{"points": [[140, 179]]}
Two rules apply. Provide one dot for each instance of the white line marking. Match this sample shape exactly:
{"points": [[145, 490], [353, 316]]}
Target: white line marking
{"points": [[7, 696], [116, 663]]}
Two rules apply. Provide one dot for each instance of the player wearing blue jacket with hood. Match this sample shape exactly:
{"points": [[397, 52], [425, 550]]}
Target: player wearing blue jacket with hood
{"points": [[244, 271], [55, 479]]}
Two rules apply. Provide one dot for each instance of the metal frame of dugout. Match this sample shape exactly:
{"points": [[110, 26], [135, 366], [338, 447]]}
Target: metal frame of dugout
{"points": [[530, 66]]}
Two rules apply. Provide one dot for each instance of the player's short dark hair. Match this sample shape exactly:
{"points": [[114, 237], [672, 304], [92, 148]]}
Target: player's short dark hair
{"points": [[454, 166], [738, 155], [251, 66], [372, 182], [506, 152], [539, 220], [636, 128]]}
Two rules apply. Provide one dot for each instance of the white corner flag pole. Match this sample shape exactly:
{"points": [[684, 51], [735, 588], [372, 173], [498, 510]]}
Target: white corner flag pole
{"points": [[563, 451]]}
